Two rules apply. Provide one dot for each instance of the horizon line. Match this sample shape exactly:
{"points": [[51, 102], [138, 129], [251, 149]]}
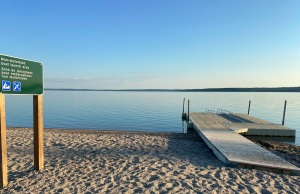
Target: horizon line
{"points": [[229, 88]]}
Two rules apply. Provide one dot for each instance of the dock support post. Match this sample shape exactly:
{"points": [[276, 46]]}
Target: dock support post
{"points": [[284, 113], [38, 132], [3, 153], [183, 105], [189, 124], [249, 107], [188, 110]]}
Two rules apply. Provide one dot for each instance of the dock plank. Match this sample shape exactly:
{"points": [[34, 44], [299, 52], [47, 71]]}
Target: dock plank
{"points": [[250, 118], [234, 149], [239, 149]]}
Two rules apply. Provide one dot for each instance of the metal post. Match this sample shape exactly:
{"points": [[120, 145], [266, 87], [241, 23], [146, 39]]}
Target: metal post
{"points": [[183, 105], [284, 113], [189, 110], [249, 107]]}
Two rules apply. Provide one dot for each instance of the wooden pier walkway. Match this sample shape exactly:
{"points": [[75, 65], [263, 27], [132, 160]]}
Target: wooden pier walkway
{"points": [[221, 133]]}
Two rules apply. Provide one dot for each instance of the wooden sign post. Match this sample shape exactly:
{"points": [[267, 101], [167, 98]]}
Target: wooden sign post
{"points": [[3, 155], [21, 76], [38, 132]]}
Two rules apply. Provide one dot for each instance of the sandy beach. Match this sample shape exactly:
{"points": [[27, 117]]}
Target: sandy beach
{"points": [[131, 162]]}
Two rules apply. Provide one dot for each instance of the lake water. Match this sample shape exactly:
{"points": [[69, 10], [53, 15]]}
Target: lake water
{"points": [[146, 111]]}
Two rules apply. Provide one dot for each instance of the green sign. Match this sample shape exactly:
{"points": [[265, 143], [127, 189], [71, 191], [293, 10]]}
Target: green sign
{"points": [[21, 76]]}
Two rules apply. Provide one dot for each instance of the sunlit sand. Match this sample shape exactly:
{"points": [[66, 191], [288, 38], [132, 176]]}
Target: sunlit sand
{"points": [[129, 162]]}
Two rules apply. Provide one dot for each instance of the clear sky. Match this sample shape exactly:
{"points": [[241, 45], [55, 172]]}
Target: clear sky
{"points": [[163, 44]]}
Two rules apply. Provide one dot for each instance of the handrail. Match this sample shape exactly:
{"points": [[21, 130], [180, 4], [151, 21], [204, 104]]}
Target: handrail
{"points": [[219, 111]]}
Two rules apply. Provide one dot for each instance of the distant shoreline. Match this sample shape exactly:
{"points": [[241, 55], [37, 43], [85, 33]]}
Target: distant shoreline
{"points": [[280, 89]]}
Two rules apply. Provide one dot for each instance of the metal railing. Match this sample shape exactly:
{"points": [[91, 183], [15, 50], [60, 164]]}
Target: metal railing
{"points": [[219, 111], [210, 111]]}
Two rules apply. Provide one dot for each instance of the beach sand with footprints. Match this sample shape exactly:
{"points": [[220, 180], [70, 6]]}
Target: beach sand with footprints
{"points": [[78, 161]]}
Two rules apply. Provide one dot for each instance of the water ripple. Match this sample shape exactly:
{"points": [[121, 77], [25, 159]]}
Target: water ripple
{"points": [[146, 111]]}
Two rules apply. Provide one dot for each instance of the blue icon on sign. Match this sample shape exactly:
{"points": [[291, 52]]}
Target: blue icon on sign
{"points": [[17, 86], [6, 85]]}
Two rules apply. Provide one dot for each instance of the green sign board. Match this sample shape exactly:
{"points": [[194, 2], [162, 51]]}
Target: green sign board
{"points": [[21, 76]]}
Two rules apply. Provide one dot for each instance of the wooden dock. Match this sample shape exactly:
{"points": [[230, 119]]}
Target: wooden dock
{"points": [[221, 133]]}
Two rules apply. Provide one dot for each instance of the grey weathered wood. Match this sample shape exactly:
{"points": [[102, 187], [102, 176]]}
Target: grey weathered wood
{"points": [[284, 113], [249, 107], [3, 154], [38, 132], [188, 110]]}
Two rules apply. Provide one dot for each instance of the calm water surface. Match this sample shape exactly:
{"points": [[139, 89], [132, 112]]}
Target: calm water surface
{"points": [[146, 111]]}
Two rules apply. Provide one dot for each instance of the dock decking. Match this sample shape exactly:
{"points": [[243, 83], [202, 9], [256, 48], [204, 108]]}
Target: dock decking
{"points": [[221, 134]]}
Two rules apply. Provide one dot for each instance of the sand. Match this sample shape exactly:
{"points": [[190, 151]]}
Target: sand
{"points": [[129, 162]]}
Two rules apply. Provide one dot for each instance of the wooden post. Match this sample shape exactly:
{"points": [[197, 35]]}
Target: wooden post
{"points": [[183, 105], [284, 113], [3, 154], [249, 107], [38, 132], [189, 110]]}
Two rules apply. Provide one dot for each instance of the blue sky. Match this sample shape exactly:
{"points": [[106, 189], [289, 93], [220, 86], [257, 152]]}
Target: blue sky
{"points": [[166, 44]]}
